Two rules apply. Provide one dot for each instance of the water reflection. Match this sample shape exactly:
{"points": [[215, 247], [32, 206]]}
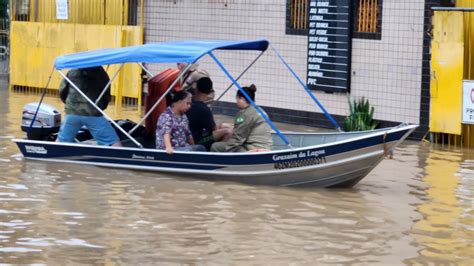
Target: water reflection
{"points": [[414, 209], [446, 230]]}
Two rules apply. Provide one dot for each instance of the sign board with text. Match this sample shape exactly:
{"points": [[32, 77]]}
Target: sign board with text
{"points": [[468, 102], [62, 9], [329, 45]]}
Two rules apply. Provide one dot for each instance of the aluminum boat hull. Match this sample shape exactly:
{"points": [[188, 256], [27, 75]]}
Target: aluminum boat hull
{"points": [[338, 160]]}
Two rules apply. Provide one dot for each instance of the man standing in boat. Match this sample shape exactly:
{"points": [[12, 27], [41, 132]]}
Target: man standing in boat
{"points": [[79, 112]]}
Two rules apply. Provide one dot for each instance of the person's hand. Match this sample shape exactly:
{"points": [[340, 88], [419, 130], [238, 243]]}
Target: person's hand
{"points": [[225, 125], [169, 150]]}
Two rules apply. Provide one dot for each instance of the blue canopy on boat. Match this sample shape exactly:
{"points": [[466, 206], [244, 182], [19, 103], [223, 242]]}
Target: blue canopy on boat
{"points": [[167, 52]]}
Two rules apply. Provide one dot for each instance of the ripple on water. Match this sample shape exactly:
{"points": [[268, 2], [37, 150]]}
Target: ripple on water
{"points": [[15, 224], [18, 250], [44, 242], [14, 186]]}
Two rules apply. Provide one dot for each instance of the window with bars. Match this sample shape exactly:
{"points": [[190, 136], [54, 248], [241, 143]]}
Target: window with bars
{"points": [[368, 19], [297, 17]]}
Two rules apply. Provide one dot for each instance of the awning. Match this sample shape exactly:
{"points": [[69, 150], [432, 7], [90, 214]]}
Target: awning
{"points": [[167, 52]]}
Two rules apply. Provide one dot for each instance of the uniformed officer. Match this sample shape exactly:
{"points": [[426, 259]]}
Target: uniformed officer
{"points": [[251, 131]]}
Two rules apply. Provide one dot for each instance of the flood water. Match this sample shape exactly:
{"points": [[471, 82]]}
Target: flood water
{"points": [[415, 209]]}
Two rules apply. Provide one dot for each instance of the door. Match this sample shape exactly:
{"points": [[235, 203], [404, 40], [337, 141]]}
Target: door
{"points": [[447, 63]]}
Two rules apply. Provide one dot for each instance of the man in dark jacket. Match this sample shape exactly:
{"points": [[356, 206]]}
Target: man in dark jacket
{"points": [[201, 121], [79, 112]]}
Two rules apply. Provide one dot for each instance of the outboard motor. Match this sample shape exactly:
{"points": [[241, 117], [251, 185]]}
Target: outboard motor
{"points": [[47, 121]]}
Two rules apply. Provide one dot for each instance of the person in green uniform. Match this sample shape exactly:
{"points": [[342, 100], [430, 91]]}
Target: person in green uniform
{"points": [[251, 131]]}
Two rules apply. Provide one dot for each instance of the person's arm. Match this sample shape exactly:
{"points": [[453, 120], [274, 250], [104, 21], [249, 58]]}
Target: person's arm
{"points": [[103, 80], [187, 131], [164, 126], [167, 141], [208, 121], [63, 90]]}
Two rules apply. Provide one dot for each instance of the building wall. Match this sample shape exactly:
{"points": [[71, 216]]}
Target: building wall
{"points": [[386, 71]]}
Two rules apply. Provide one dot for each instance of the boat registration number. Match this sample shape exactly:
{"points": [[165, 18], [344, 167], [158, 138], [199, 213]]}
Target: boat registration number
{"points": [[300, 163]]}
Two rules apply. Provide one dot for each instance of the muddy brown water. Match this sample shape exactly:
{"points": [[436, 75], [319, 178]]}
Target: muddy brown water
{"points": [[414, 209]]}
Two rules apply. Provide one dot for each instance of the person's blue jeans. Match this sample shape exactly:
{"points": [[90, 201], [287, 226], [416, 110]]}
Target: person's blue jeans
{"points": [[98, 126]]}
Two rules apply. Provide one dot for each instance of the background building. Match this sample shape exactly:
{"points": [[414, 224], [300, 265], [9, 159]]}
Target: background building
{"points": [[378, 49], [389, 64]]}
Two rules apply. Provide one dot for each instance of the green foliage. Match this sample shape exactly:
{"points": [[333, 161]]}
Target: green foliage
{"points": [[361, 115]]}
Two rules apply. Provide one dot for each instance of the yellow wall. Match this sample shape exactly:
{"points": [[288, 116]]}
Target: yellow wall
{"points": [[469, 38], [468, 130], [464, 3], [108, 12], [34, 46], [447, 64]]}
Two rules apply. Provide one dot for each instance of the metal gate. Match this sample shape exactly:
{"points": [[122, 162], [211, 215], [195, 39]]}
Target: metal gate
{"points": [[41, 30], [452, 62], [4, 38]]}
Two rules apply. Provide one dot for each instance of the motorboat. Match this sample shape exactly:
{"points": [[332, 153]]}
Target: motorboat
{"points": [[320, 159]]}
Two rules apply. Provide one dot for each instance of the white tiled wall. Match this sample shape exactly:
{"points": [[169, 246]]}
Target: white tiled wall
{"points": [[387, 71]]}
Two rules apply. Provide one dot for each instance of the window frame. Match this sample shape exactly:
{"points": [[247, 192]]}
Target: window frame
{"points": [[289, 29], [367, 35], [355, 33]]}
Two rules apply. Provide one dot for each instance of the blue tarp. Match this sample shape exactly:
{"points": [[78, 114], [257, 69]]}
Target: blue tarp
{"points": [[168, 52]]}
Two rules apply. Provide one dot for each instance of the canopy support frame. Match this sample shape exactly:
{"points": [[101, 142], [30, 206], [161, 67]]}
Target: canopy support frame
{"points": [[257, 108], [161, 98], [241, 74], [108, 84], [100, 110], [305, 87]]}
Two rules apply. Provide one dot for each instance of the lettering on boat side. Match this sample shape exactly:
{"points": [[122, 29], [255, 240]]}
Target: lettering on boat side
{"points": [[36, 149], [304, 158], [147, 157]]}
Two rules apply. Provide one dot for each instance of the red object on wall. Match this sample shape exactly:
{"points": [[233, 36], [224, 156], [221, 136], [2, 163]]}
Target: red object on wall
{"points": [[157, 86]]}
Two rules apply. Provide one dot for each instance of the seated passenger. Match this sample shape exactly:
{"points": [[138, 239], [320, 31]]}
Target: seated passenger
{"points": [[172, 129], [79, 112], [251, 131], [201, 121]]}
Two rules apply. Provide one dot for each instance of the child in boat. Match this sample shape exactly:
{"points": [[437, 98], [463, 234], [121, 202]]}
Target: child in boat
{"points": [[251, 131], [201, 121], [172, 129]]}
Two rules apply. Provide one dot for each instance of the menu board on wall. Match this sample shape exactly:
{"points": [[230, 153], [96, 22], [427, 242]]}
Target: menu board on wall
{"points": [[329, 45]]}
